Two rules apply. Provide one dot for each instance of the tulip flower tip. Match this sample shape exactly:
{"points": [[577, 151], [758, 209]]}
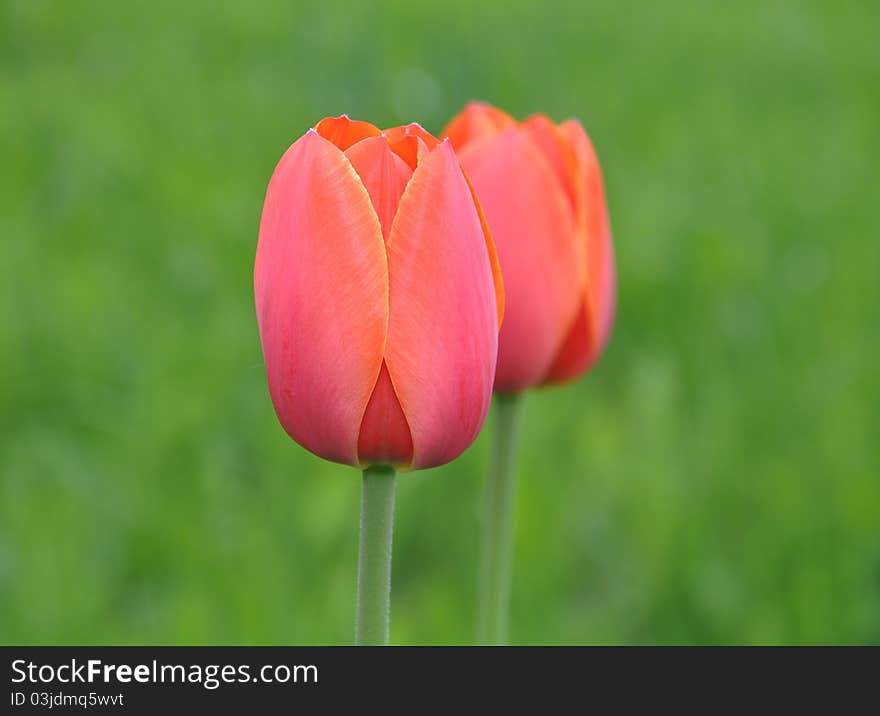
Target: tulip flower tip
{"points": [[409, 129]]}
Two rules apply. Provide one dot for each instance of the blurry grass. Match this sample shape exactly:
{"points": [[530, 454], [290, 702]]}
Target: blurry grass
{"points": [[716, 479]]}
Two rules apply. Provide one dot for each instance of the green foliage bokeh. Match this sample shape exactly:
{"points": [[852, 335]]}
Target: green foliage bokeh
{"points": [[715, 479]]}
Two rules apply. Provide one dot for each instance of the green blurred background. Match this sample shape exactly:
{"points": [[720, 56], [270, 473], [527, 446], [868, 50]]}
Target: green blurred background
{"points": [[715, 479]]}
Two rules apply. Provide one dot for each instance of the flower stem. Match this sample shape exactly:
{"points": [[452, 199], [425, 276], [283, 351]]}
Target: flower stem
{"points": [[374, 557], [494, 580]]}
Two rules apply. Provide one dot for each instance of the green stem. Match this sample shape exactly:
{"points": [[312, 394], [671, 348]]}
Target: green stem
{"points": [[494, 580], [374, 557]]}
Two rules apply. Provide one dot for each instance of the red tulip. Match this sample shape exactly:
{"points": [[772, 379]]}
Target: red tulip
{"points": [[541, 188], [378, 296]]}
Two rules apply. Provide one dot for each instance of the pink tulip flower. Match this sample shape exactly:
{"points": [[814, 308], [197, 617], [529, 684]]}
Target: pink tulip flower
{"points": [[541, 188], [378, 296]]}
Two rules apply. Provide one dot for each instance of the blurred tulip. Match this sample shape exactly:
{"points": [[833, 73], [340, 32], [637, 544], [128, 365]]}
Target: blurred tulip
{"points": [[541, 189], [378, 296]]}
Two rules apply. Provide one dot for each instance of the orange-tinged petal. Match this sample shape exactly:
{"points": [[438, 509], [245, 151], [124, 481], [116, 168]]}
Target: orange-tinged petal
{"points": [[557, 150], [590, 332], [601, 279], [385, 438], [409, 147], [477, 119], [384, 175], [414, 129], [578, 351], [321, 290], [344, 132], [534, 231], [442, 327]]}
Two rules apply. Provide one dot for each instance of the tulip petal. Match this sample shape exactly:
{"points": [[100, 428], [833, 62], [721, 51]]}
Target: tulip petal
{"points": [[442, 326], [321, 290], [413, 129], [590, 332], [344, 132], [557, 151], [477, 119], [385, 436], [601, 278], [410, 148], [578, 351], [533, 226], [383, 173]]}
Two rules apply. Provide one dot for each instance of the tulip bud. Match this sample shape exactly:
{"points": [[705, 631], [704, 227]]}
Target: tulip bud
{"points": [[541, 188], [378, 296]]}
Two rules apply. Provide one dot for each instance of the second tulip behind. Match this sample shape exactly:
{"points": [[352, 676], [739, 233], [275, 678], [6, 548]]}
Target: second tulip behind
{"points": [[541, 189]]}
